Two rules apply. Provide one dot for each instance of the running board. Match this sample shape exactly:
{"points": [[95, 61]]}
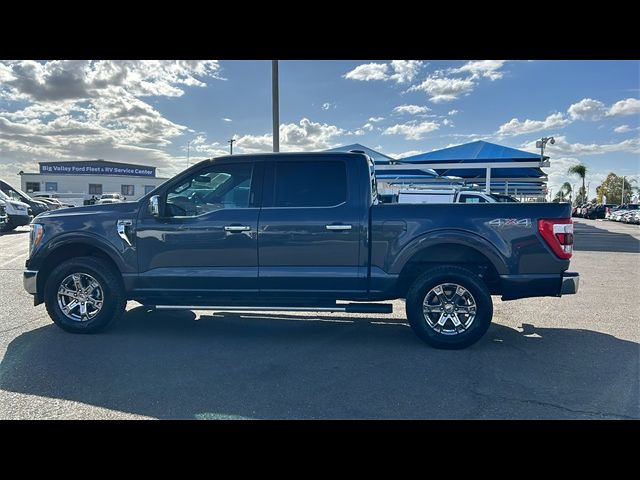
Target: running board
{"points": [[346, 307]]}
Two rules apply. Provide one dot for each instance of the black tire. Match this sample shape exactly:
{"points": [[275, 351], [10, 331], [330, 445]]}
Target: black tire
{"points": [[466, 279], [110, 281]]}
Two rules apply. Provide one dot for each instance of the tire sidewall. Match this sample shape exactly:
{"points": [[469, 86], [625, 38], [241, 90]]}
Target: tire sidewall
{"points": [[110, 300], [475, 286]]}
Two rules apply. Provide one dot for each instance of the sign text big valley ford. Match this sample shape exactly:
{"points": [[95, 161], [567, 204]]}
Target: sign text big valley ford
{"points": [[62, 169]]}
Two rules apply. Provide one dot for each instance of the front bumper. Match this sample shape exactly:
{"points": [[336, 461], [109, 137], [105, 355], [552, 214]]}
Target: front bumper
{"points": [[30, 281], [19, 220], [570, 283]]}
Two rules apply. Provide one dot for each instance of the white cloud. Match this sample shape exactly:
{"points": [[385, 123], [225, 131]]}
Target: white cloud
{"points": [[516, 127], [227, 119], [306, 135], [410, 109], [405, 70], [78, 109], [452, 112], [399, 71], [447, 122], [590, 109], [369, 71], [630, 106], [411, 130], [376, 119], [444, 89], [482, 68], [563, 147], [368, 127], [327, 105], [587, 109], [622, 129]]}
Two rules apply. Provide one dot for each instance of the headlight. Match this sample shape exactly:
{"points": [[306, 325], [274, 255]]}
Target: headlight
{"points": [[35, 236]]}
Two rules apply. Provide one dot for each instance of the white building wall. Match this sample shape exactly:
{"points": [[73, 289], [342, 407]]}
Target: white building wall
{"points": [[80, 183]]}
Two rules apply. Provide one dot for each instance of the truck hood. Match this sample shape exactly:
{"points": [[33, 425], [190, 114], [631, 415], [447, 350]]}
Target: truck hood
{"points": [[91, 212]]}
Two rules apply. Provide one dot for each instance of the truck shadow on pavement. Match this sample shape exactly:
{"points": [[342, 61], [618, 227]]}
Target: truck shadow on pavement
{"points": [[236, 365], [590, 238]]}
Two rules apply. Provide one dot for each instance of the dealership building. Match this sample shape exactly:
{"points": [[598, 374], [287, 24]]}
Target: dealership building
{"points": [[91, 178]]}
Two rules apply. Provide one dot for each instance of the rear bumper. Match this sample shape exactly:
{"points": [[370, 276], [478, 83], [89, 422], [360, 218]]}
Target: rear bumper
{"points": [[30, 281], [570, 283], [536, 285]]}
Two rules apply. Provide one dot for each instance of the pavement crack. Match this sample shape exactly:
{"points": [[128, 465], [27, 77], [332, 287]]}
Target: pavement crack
{"points": [[554, 405]]}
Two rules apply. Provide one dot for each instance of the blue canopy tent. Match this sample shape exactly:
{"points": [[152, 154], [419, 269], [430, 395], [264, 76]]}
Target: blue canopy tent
{"points": [[528, 179], [382, 159]]}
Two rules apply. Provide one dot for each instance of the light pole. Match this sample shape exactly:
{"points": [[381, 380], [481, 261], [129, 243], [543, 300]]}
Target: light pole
{"points": [[188, 151], [542, 143], [230, 142], [622, 199], [276, 105]]}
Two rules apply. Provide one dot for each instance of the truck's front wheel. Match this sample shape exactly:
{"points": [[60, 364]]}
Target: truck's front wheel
{"points": [[449, 307], [84, 295]]}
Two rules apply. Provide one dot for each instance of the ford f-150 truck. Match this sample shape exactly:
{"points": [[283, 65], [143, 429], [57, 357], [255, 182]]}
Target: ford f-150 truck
{"points": [[297, 231]]}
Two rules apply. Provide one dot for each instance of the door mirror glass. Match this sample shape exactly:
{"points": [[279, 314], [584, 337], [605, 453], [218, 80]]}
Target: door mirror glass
{"points": [[154, 205]]}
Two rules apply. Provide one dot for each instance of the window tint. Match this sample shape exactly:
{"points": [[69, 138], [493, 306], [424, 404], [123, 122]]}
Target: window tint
{"points": [[33, 186], [214, 188], [310, 184]]}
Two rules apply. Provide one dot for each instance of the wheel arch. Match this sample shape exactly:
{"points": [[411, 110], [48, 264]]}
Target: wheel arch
{"points": [[458, 249]]}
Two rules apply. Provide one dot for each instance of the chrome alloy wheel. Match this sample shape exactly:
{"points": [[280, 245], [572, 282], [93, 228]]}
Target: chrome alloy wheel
{"points": [[80, 297], [449, 309]]}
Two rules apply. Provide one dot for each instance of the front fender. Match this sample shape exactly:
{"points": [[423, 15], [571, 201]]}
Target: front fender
{"points": [[450, 236], [122, 256]]}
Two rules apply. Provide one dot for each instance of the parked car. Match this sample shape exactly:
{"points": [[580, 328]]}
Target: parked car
{"points": [[599, 211], [64, 199], [35, 207], [111, 198], [17, 213], [619, 213], [297, 231], [3, 216], [450, 195]]}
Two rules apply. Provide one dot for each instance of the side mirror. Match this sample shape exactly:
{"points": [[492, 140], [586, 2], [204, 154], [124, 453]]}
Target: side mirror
{"points": [[154, 205]]}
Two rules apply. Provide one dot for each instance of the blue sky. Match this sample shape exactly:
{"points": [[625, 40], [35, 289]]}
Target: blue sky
{"points": [[148, 112]]}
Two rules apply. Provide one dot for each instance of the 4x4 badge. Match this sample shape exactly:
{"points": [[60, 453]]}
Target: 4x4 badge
{"points": [[511, 222]]}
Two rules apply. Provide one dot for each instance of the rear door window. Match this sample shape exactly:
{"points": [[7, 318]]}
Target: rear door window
{"points": [[310, 184]]}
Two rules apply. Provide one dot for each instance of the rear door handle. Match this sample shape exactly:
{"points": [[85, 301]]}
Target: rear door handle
{"points": [[338, 227], [237, 228]]}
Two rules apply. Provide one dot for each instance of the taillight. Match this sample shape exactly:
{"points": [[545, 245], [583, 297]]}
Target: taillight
{"points": [[558, 233]]}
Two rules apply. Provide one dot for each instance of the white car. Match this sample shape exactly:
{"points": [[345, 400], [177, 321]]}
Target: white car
{"points": [[110, 198], [17, 213]]}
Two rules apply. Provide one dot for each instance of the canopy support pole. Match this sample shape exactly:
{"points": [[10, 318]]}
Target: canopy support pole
{"points": [[488, 181]]}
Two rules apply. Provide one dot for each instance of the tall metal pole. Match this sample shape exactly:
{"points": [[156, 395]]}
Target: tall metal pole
{"points": [[276, 105], [188, 151], [230, 142], [622, 199]]}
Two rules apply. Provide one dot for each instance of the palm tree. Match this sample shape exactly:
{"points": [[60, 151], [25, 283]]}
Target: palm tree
{"points": [[566, 189], [581, 171]]}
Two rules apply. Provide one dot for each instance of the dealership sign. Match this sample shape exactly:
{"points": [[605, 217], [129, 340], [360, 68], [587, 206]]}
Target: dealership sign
{"points": [[88, 168]]}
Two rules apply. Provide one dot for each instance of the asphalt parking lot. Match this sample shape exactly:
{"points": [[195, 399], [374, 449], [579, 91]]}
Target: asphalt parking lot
{"points": [[577, 357]]}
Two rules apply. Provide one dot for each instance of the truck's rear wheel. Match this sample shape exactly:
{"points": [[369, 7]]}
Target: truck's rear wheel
{"points": [[449, 307], [84, 295]]}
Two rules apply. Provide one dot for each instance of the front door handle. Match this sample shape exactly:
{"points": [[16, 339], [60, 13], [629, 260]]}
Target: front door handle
{"points": [[237, 228], [338, 227]]}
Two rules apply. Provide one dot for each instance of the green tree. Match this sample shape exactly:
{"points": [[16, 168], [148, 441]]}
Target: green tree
{"points": [[581, 171], [612, 189]]}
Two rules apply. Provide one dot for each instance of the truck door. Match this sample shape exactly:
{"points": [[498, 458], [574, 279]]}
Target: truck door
{"points": [[310, 228], [205, 241]]}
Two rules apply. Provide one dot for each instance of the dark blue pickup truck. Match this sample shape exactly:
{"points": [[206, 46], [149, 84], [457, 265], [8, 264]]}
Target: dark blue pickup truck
{"points": [[297, 231]]}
